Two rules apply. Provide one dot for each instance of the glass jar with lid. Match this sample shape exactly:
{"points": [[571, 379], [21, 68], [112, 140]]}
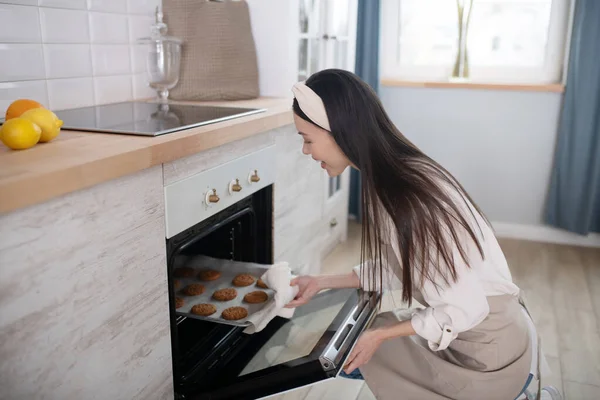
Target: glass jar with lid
{"points": [[163, 58]]}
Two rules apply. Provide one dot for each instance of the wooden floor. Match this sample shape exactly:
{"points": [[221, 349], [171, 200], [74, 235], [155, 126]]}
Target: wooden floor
{"points": [[562, 289]]}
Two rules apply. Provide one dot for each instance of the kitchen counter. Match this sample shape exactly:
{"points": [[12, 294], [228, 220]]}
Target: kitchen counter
{"points": [[76, 159]]}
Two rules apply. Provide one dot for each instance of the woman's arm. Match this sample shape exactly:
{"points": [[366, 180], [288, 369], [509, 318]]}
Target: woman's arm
{"points": [[403, 328], [349, 280]]}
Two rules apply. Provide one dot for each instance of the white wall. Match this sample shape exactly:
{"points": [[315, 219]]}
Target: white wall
{"points": [[499, 144], [275, 30], [72, 53]]}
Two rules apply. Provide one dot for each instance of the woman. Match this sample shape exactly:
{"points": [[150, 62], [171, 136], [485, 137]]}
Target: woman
{"points": [[470, 341]]}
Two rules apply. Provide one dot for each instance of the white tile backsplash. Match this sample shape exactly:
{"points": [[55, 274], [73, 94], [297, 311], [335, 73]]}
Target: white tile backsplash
{"points": [[72, 4], [141, 90], [111, 89], [21, 2], [11, 91], [115, 6], [21, 62], [19, 24], [144, 7], [64, 26], [73, 53], [111, 59], [139, 55], [139, 27], [67, 60], [70, 93], [108, 28]]}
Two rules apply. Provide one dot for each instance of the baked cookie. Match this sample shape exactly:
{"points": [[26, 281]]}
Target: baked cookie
{"points": [[204, 309], [184, 272], [261, 284], [209, 275], [177, 283], [225, 294], [243, 280], [234, 313], [193, 289], [256, 297], [179, 302]]}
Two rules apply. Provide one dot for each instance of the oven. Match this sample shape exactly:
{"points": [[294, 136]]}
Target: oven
{"points": [[234, 221]]}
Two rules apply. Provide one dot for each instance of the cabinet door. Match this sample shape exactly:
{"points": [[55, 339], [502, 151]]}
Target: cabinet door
{"points": [[335, 211], [327, 35], [339, 33], [310, 47]]}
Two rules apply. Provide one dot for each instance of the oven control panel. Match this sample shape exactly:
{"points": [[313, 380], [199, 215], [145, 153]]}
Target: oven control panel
{"points": [[192, 200]]}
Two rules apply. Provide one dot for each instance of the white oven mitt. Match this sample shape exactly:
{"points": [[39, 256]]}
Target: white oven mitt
{"points": [[278, 279]]}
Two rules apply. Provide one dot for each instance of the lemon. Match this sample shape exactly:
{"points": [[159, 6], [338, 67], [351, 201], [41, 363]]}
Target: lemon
{"points": [[46, 120], [20, 133]]}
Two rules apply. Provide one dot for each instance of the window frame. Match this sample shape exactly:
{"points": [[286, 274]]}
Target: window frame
{"points": [[551, 73]]}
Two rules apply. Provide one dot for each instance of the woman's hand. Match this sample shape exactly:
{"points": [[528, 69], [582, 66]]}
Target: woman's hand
{"points": [[308, 286], [365, 347], [370, 340]]}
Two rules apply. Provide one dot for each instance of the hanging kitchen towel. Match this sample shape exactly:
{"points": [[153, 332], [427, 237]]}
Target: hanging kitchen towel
{"points": [[277, 278], [218, 58]]}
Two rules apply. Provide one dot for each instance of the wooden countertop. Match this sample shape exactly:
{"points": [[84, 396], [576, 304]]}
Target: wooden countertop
{"points": [[76, 159]]}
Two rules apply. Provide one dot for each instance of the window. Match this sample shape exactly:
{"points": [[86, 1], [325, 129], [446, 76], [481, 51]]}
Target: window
{"points": [[508, 41]]}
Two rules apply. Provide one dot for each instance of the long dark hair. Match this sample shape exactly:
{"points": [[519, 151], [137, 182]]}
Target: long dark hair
{"points": [[397, 179]]}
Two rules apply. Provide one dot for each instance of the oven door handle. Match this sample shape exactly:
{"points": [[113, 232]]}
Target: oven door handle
{"points": [[342, 342]]}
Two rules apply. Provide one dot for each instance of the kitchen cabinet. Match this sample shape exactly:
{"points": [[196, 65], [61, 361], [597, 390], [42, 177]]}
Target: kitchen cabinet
{"points": [[335, 211], [84, 309]]}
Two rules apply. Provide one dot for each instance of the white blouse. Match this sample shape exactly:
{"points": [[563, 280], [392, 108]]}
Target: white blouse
{"points": [[462, 305]]}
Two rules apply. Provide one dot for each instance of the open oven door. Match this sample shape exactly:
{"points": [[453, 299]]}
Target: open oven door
{"points": [[288, 354]]}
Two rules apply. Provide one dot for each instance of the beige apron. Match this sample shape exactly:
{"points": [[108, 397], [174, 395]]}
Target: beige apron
{"points": [[491, 361]]}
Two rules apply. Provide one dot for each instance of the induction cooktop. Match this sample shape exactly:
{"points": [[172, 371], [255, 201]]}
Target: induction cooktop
{"points": [[147, 119]]}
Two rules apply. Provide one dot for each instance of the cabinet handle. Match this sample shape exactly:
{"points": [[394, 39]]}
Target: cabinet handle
{"points": [[333, 222]]}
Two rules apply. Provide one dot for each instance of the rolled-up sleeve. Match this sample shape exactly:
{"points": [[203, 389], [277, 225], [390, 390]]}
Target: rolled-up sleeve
{"points": [[389, 279], [452, 309]]}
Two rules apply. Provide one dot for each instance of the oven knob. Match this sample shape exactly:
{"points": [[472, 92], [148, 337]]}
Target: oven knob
{"points": [[253, 177], [211, 197], [234, 186]]}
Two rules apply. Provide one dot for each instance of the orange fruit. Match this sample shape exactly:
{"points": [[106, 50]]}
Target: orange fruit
{"points": [[18, 107]]}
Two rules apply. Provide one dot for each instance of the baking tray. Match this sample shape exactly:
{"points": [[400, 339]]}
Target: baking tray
{"points": [[229, 269]]}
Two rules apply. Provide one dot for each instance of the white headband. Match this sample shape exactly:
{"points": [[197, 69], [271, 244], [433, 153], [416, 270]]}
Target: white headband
{"points": [[311, 104]]}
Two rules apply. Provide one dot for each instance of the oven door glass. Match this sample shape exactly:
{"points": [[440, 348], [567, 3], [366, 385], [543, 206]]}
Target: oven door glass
{"points": [[287, 354]]}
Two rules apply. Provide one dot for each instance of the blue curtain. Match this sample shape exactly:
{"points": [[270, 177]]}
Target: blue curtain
{"points": [[367, 68], [574, 197]]}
